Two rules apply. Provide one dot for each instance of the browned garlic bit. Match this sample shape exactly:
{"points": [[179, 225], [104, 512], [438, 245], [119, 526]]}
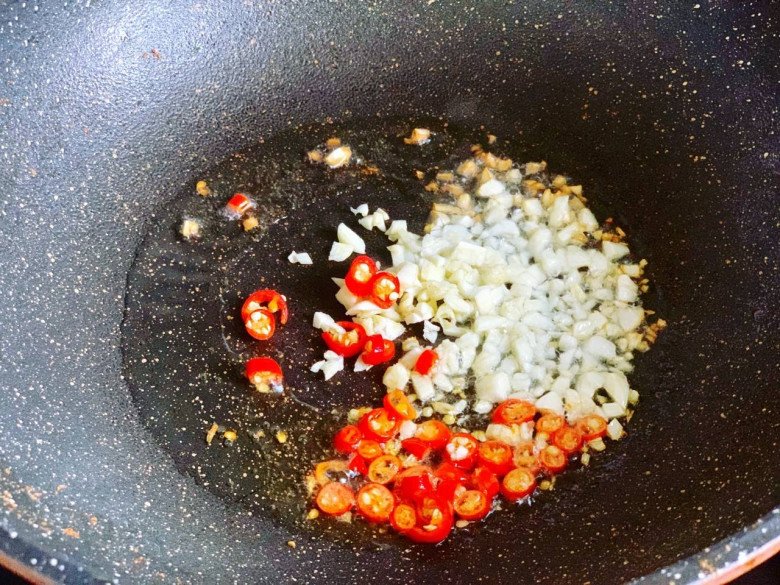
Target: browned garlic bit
{"points": [[419, 137], [281, 436], [211, 433], [230, 436], [315, 156], [250, 222], [202, 188], [190, 229]]}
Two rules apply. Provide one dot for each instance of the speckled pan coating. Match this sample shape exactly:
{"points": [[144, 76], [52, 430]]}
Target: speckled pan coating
{"points": [[667, 112]]}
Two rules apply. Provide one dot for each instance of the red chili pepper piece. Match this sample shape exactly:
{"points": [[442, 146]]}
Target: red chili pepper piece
{"points": [[260, 324], [385, 290], [265, 299], [238, 205], [425, 362], [358, 279], [378, 350], [264, 373], [350, 343]]}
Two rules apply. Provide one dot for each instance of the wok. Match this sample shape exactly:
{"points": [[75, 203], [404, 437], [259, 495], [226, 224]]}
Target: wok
{"points": [[664, 111]]}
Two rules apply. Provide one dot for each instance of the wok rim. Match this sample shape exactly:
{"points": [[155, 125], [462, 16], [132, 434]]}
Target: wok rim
{"points": [[721, 562]]}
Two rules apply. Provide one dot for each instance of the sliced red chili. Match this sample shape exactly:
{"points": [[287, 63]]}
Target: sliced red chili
{"points": [[379, 425], [567, 439], [264, 373], [426, 361], [384, 469], [461, 450], [266, 299], [239, 204], [357, 464], [358, 279], [525, 457], [261, 324], [377, 350], [413, 483], [330, 470], [335, 498], [385, 290], [549, 423], [434, 521], [417, 447], [350, 343], [403, 517], [485, 481], [553, 459], [398, 404], [514, 412], [375, 502], [518, 483], [433, 432], [347, 439], [592, 427], [472, 505], [496, 456], [452, 481], [369, 449]]}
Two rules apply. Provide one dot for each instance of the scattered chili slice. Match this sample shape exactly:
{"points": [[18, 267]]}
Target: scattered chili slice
{"points": [[350, 343], [385, 290], [549, 423], [417, 447], [426, 361], [358, 279], [525, 456], [384, 469], [567, 439], [369, 449], [514, 412], [378, 424], [518, 483], [433, 432], [238, 205], [375, 502], [261, 324], [592, 427], [403, 517], [553, 459], [357, 464], [472, 505], [330, 470], [266, 299], [461, 450], [377, 350], [415, 482], [435, 521], [485, 481], [347, 439], [335, 498], [496, 456], [264, 373], [398, 404]]}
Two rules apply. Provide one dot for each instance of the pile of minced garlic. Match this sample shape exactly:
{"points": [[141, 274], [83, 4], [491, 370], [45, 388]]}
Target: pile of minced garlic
{"points": [[520, 290]]}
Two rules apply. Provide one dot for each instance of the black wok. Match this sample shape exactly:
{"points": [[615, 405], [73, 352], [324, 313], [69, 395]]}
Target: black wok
{"points": [[666, 112]]}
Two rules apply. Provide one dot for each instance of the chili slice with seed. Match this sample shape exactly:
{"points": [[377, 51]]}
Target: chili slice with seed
{"points": [[358, 279], [518, 483], [385, 290], [265, 299], [347, 439], [496, 456], [592, 427], [486, 481], [264, 373], [377, 350], [553, 459], [398, 404], [461, 450], [375, 502], [335, 498], [384, 469], [369, 449], [435, 521], [261, 324], [378, 424], [350, 343], [514, 412], [549, 423], [472, 505], [433, 432], [567, 439], [330, 470], [403, 517]]}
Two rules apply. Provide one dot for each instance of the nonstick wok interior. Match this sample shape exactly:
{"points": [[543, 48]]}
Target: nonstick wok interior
{"points": [[113, 111]]}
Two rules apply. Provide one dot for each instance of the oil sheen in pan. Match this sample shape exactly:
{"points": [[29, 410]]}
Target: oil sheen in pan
{"points": [[183, 340]]}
